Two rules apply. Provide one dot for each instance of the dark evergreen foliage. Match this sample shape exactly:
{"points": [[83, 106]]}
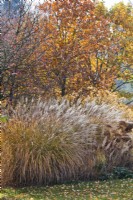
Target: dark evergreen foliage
{"points": [[12, 5]]}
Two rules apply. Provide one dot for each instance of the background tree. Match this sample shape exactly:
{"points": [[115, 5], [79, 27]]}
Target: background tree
{"points": [[121, 16], [64, 47], [81, 50], [19, 51]]}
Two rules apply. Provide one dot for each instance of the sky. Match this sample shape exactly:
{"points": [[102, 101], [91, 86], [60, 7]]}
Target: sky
{"points": [[109, 3]]}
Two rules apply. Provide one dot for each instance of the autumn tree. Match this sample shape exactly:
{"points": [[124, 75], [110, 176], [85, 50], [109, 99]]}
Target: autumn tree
{"points": [[121, 16], [64, 47], [20, 42], [81, 50]]}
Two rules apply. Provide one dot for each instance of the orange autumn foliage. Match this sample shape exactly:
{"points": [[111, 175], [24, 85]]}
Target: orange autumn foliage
{"points": [[79, 52]]}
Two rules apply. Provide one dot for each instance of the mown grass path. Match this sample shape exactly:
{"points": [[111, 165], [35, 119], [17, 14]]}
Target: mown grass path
{"points": [[99, 190]]}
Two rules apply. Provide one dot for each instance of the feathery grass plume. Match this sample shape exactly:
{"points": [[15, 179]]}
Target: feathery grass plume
{"points": [[53, 141]]}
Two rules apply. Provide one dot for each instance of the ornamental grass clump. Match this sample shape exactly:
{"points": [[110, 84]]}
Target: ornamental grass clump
{"points": [[53, 142], [42, 144]]}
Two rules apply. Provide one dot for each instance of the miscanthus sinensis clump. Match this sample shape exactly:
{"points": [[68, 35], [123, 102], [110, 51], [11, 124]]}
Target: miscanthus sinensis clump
{"points": [[56, 141]]}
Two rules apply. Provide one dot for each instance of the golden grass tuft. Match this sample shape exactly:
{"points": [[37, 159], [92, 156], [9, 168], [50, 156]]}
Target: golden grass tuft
{"points": [[53, 142]]}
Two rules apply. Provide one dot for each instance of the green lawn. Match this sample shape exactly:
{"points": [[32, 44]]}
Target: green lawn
{"points": [[99, 190]]}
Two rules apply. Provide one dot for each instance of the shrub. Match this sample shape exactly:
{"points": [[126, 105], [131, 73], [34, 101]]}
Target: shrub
{"points": [[53, 142], [117, 173], [122, 172]]}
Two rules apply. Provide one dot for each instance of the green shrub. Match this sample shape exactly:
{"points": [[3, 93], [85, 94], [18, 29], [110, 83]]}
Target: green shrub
{"points": [[122, 172], [117, 173]]}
